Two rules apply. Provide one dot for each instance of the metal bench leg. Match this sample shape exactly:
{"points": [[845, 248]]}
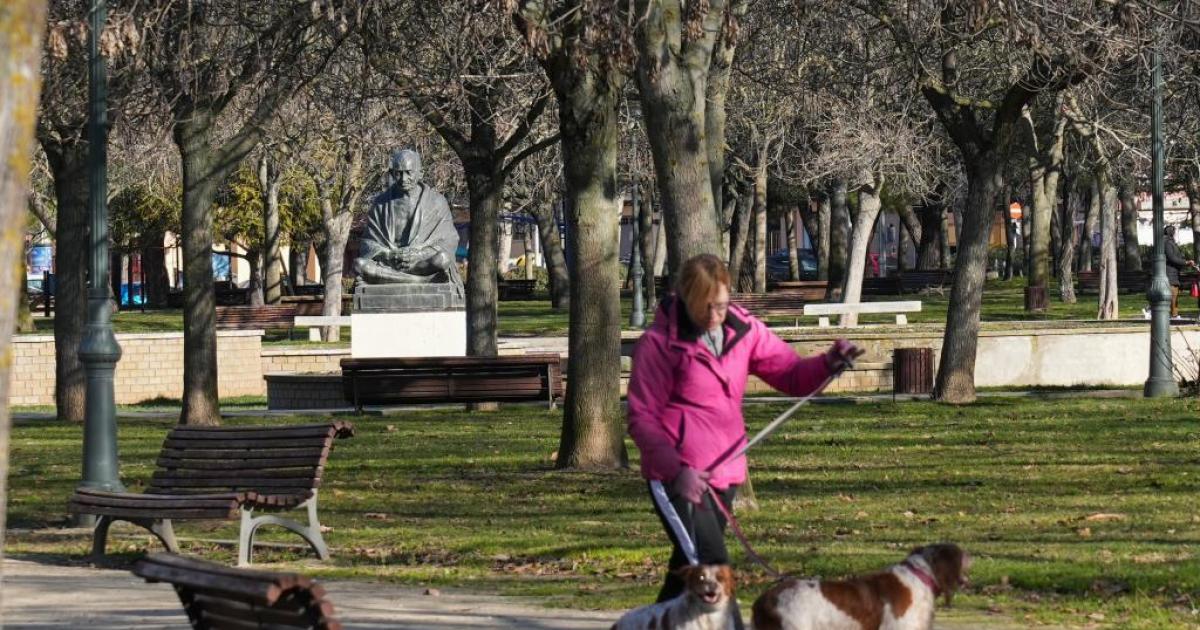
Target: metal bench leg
{"points": [[100, 535], [166, 533], [901, 319], [310, 533]]}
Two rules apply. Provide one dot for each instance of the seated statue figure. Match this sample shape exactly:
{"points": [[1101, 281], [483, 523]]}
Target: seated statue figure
{"points": [[410, 236]]}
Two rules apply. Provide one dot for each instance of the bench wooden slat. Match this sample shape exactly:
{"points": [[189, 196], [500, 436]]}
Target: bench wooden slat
{"points": [[291, 432], [225, 612], [222, 464], [257, 444], [229, 453], [239, 473], [175, 514]]}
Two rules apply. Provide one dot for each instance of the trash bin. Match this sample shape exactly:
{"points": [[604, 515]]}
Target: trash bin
{"points": [[912, 371]]}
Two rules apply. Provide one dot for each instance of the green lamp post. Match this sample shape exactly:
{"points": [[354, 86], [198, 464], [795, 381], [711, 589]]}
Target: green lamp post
{"points": [[99, 351], [1162, 378]]}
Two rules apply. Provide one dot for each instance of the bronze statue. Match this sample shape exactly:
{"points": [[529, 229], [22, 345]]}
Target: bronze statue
{"points": [[410, 236]]}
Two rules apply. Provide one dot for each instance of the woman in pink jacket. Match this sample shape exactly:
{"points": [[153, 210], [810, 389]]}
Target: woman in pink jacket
{"points": [[685, 400]]}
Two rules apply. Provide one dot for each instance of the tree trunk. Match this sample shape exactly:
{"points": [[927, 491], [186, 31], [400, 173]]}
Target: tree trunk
{"points": [[824, 223], [154, 268], [552, 252], [1107, 300], [947, 257], [1193, 192], [336, 227], [485, 190], [68, 164], [674, 91], [593, 426], [915, 230], [1066, 258], [839, 239], [1055, 236], [254, 285], [1010, 244], [269, 180], [869, 205], [740, 238], [646, 235], [660, 247], [298, 262], [200, 179], [956, 369], [810, 220], [760, 223], [792, 236], [24, 323], [21, 25], [1090, 221], [1129, 229], [504, 250]]}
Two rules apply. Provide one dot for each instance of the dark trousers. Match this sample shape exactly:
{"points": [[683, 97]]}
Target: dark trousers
{"points": [[707, 528]]}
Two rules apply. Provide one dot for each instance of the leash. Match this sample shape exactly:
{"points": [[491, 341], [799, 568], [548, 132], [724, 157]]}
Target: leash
{"points": [[759, 437], [659, 493]]}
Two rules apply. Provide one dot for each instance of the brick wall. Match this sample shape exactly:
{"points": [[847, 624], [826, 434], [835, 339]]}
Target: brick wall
{"points": [[151, 366], [303, 360], [305, 391]]}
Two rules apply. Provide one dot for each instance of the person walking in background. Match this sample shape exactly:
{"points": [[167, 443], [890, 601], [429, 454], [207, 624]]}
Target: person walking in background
{"points": [[685, 402], [1175, 264]]}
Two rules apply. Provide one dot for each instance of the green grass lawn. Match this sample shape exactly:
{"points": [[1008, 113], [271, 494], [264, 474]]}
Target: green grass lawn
{"points": [[1078, 512]]}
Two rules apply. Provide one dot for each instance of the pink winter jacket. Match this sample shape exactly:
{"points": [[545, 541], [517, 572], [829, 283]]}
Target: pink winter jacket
{"points": [[685, 405]]}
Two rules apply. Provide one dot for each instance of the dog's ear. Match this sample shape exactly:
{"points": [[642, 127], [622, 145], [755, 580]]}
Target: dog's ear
{"points": [[949, 564], [726, 580], [686, 571]]}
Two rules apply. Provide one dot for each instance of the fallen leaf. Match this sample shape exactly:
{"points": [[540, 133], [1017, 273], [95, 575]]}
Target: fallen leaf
{"points": [[432, 592], [1104, 516], [378, 516]]}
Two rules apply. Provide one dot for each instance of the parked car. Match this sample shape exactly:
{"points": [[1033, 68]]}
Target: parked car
{"points": [[778, 268]]}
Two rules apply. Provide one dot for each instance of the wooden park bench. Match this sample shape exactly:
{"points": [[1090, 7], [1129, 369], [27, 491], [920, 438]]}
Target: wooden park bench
{"points": [[516, 289], [215, 596], [224, 473], [415, 380], [315, 322], [257, 317], [919, 280], [834, 308], [888, 285], [808, 290], [781, 304], [1127, 282]]}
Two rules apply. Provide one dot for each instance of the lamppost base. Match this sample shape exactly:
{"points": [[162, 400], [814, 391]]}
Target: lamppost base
{"points": [[1160, 388]]}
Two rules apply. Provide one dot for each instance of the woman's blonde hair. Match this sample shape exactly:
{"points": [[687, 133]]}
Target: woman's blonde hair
{"points": [[698, 284]]}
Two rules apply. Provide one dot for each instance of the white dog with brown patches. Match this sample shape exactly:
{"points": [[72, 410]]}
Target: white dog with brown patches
{"points": [[705, 603], [900, 598]]}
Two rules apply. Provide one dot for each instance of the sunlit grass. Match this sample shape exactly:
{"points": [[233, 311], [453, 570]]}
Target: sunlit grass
{"points": [[1077, 511]]}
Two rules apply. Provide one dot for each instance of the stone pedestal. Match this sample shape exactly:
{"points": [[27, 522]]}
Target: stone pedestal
{"points": [[408, 320], [407, 298]]}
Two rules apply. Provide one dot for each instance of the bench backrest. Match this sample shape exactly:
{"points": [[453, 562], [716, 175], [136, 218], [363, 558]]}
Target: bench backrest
{"points": [[436, 379], [285, 460], [835, 308], [216, 596], [238, 315], [756, 302]]}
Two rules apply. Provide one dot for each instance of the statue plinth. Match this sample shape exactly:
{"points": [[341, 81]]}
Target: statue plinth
{"points": [[408, 320], [407, 298]]}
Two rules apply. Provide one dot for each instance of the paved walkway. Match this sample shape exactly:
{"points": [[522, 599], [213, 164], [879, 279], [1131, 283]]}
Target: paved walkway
{"points": [[39, 594]]}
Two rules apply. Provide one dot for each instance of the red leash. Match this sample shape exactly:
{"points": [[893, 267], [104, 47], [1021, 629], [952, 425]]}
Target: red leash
{"points": [[737, 531]]}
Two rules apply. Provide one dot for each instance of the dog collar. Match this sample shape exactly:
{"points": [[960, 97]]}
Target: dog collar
{"points": [[922, 575]]}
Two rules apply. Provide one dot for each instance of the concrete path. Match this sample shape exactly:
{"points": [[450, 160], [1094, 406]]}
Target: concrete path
{"points": [[39, 595]]}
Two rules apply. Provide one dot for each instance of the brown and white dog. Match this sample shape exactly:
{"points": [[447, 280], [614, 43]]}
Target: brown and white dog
{"points": [[900, 598], [705, 603]]}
